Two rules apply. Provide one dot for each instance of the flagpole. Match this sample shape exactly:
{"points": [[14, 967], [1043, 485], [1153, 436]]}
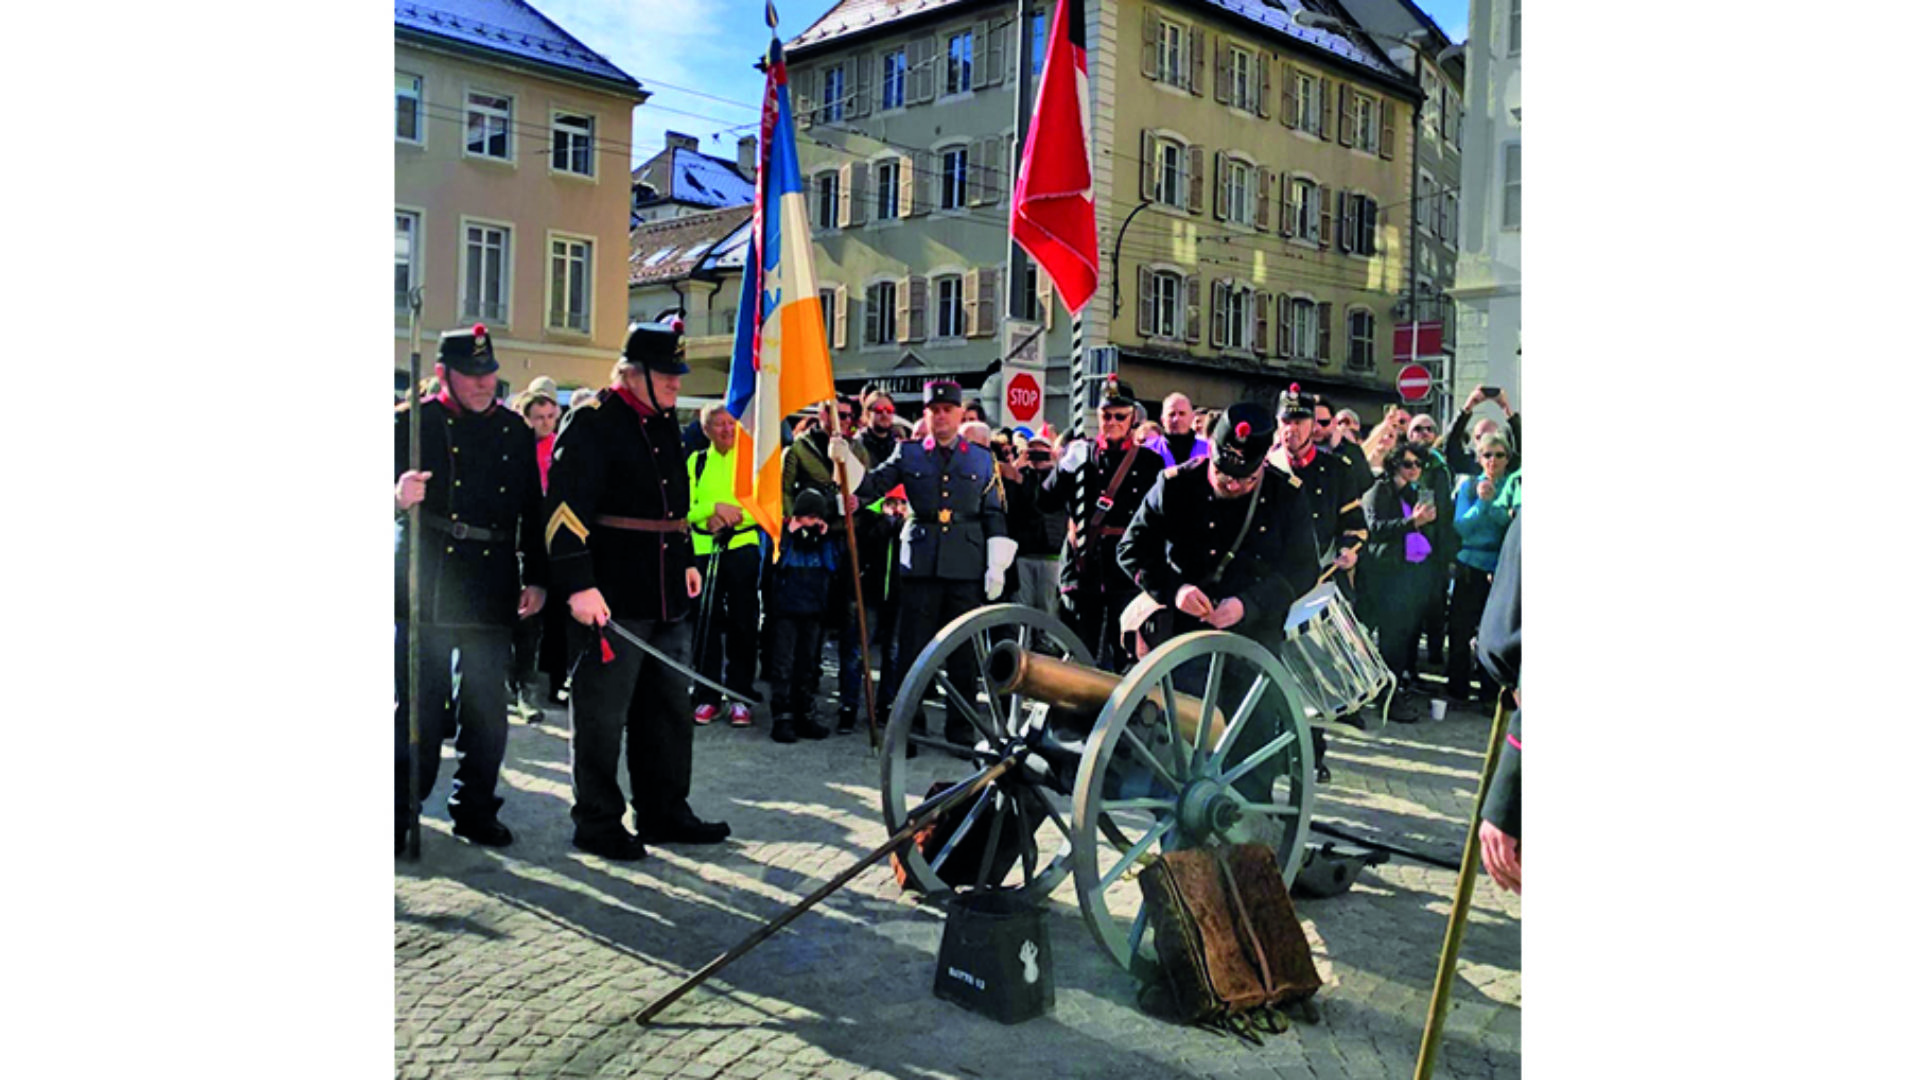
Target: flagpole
{"points": [[1079, 380], [1022, 68]]}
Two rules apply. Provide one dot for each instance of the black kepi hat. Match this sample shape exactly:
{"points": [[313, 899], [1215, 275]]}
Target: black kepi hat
{"points": [[468, 351], [656, 346], [942, 392], [1116, 393], [1241, 438], [1295, 405]]}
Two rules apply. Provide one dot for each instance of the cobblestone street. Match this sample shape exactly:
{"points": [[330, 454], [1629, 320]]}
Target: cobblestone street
{"points": [[532, 961]]}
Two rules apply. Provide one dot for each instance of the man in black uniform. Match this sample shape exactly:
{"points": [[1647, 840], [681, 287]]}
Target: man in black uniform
{"points": [[1100, 486], [1225, 543], [617, 536], [481, 567]]}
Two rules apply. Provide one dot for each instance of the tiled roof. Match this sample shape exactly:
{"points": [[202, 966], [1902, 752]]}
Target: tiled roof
{"points": [[849, 16], [509, 27], [669, 250], [698, 179], [730, 253]]}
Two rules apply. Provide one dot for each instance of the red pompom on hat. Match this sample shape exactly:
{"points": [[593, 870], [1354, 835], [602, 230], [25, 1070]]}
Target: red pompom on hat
{"points": [[479, 329], [1242, 430], [1294, 389]]}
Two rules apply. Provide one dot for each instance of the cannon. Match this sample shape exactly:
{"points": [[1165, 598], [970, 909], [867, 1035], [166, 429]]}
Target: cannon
{"points": [[1205, 741]]}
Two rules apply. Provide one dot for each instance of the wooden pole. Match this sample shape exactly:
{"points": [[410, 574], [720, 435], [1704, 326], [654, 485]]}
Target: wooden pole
{"points": [[1462, 898], [413, 584], [859, 594], [928, 812]]}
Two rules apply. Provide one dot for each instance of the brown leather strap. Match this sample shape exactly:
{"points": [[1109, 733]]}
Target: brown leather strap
{"points": [[1243, 925], [1104, 503], [1113, 530], [646, 525]]}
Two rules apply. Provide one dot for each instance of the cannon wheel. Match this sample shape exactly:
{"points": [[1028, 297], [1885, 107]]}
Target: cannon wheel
{"points": [[1044, 860], [1192, 800]]}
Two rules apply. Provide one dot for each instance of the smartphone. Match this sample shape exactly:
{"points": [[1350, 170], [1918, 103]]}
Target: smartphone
{"points": [[1427, 495], [1490, 392]]}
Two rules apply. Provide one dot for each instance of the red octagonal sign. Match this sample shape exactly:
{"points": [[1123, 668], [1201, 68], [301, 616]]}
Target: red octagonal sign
{"points": [[1023, 397], [1416, 382]]}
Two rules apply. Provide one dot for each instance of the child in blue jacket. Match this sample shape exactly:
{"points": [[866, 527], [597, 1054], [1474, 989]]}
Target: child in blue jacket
{"points": [[796, 586]]}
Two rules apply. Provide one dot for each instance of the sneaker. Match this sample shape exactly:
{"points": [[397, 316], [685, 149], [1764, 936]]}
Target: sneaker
{"points": [[740, 715], [487, 832], [705, 714]]}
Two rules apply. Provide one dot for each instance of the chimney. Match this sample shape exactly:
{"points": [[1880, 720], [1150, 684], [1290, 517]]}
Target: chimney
{"points": [[748, 155], [684, 142]]}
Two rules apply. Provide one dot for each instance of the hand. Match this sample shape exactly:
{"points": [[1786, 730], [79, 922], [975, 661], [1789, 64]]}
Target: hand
{"points": [[1473, 399], [411, 489], [996, 582], [1346, 559], [532, 599], [1075, 456], [837, 450], [589, 608], [1423, 513], [693, 581], [725, 516], [1226, 613], [1484, 489], [1501, 854], [1007, 471], [1192, 601], [852, 504]]}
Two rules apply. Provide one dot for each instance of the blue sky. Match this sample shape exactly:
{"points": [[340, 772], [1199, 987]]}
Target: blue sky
{"points": [[683, 49]]}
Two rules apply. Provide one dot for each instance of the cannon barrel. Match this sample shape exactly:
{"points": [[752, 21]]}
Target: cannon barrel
{"points": [[1076, 693]]}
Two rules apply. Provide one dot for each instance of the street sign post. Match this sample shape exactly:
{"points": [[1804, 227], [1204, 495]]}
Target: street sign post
{"points": [[1415, 383]]}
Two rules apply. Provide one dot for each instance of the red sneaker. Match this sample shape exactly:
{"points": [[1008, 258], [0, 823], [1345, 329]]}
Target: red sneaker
{"points": [[740, 715], [705, 714]]}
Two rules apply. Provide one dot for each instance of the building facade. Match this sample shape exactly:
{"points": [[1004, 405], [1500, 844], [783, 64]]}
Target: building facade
{"points": [[511, 188], [692, 265], [1487, 285]]}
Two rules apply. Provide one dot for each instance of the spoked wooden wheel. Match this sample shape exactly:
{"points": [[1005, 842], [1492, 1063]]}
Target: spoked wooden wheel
{"points": [[1021, 814], [1145, 784]]}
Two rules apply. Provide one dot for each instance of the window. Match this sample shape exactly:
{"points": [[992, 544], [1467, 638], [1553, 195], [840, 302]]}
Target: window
{"points": [[1366, 134], [1239, 183], [1513, 29], [1306, 329], [949, 318], [893, 79], [1450, 218], [489, 124], [880, 305], [1426, 214], [1244, 84], [573, 144], [953, 178], [570, 295], [828, 298], [960, 62], [1449, 111], [826, 189], [406, 108], [886, 190], [1168, 304], [833, 95], [1238, 305], [1360, 338], [1307, 93], [1306, 210], [1430, 118], [1510, 207], [1359, 220], [486, 273], [1170, 180], [406, 247], [1026, 304], [1173, 54], [1038, 35]]}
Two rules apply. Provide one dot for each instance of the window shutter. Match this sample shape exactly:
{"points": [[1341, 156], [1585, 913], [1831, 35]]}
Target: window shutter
{"points": [[1326, 108], [1149, 45], [920, 70], [977, 57], [995, 71], [1326, 216], [976, 157], [1263, 200], [1325, 349], [1148, 167], [1369, 232], [853, 188], [970, 303], [1347, 118], [1218, 331], [1386, 129], [916, 308], [939, 68], [903, 202], [872, 318], [840, 317], [1193, 310], [902, 312], [1197, 69], [1283, 331], [1044, 286], [843, 201], [1289, 97], [926, 188], [988, 300], [1343, 223], [1196, 178], [1261, 323], [803, 100], [1143, 313], [1220, 185], [1222, 70], [1002, 181], [1265, 74], [1287, 210]]}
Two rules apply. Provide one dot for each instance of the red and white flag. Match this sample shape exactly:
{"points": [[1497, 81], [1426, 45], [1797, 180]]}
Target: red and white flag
{"points": [[1053, 197]]}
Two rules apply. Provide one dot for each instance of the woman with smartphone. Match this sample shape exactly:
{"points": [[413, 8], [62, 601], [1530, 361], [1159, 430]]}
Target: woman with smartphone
{"points": [[1400, 555], [1480, 517]]}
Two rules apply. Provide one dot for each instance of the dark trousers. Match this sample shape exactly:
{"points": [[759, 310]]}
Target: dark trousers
{"points": [[638, 696], [926, 605], [1399, 593], [1433, 617], [1470, 588], [1092, 612], [733, 624], [479, 656], [526, 652], [792, 676]]}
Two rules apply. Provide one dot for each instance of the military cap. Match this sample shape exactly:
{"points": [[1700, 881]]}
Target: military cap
{"points": [[1116, 393], [656, 346], [1295, 405], [468, 351], [942, 392], [1241, 438]]}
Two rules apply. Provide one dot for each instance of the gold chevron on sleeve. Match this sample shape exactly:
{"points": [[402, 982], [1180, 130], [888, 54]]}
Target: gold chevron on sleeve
{"points": [[564, 515], [1354, 505]]}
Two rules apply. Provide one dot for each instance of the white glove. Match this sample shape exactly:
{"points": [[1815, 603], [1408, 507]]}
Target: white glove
{"points": [[996, 581], [837, 449], [1000, 554], [1075, 456]]}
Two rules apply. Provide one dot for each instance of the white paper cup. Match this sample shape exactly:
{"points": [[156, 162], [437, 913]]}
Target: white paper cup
{"points": [[1439, 706]]}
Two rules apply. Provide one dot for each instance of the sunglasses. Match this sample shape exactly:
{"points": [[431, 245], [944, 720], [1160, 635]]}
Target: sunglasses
{"points": [[1116, 417], [1322, 423], [1411, 465], [1421, 431], [1501, 454], [881, 410]]}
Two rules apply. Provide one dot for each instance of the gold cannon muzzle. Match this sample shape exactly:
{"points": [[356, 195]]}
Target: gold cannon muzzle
{"points": [[1075, 694]]}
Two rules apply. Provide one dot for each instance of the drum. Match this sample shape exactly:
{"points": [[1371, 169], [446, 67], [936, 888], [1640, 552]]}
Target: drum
{"points": [[1331, 656]]}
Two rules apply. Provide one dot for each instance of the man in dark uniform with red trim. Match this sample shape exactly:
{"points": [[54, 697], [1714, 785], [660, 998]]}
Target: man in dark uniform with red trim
{"points": [[1093, 589], [482, 567], [617, 536]]}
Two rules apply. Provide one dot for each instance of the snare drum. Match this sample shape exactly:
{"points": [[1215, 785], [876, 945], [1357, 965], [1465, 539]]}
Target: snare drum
{"points": [[1331, 656]]}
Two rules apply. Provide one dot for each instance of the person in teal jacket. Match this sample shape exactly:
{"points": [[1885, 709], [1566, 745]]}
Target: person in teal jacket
{"points": [[720, 522], [1480, 519]]}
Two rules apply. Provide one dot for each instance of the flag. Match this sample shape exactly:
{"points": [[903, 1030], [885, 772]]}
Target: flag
{"points": [[1053, 197], [780, 361]]}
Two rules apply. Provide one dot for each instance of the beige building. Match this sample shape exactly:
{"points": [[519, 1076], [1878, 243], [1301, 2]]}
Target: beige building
{"points": [[511, 189]]}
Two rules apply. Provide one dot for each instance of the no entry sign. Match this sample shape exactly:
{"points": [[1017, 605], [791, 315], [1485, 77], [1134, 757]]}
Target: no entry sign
{"points": [[1416, 382], [1023, 397]]}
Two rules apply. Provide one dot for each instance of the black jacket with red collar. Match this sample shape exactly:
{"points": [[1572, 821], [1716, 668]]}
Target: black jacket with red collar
{"points": [[1079, 491]]}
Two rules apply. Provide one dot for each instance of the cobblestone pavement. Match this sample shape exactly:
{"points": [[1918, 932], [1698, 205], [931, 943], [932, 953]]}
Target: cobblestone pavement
{"points": [[532, 961]]}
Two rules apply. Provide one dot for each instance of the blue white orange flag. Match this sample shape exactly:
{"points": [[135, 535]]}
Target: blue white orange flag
{"points": [[780, 359]]}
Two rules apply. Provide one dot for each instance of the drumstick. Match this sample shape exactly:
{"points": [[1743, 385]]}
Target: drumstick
{"points": [[1329, 574]]}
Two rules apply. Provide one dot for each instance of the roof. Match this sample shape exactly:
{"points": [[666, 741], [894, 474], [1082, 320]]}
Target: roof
{"points": [[673, 249], [852, 17], [510, 28], [730, 253], [697, 179]]}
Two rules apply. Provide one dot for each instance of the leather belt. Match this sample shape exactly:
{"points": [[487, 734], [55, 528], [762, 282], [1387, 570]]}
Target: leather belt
{"points": [[460, 530], [1113, 530], [944, 517], [646, 525]]}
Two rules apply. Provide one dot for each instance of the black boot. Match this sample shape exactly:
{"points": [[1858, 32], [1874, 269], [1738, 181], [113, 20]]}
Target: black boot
{"points": [[487, 831], [684, 828], [846, 721], [783, 730]]}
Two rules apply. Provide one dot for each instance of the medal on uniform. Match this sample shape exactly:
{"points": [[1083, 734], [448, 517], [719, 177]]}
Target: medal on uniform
{"points": [[946, 516]]}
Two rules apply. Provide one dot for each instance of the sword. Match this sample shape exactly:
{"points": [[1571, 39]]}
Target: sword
{"points": [[654, 651]]}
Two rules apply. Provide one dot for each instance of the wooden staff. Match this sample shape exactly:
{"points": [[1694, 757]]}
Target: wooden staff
{"points": [[930, 811], [859, 595], [413, 584]]}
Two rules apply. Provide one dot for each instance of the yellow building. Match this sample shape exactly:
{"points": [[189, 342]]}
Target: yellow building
{"points": [[511, 188], [1270, 166]]}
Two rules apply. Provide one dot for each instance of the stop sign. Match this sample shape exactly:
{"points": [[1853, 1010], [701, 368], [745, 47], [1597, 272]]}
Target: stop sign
{"points": [[1415, 383], [1023, 397]]}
